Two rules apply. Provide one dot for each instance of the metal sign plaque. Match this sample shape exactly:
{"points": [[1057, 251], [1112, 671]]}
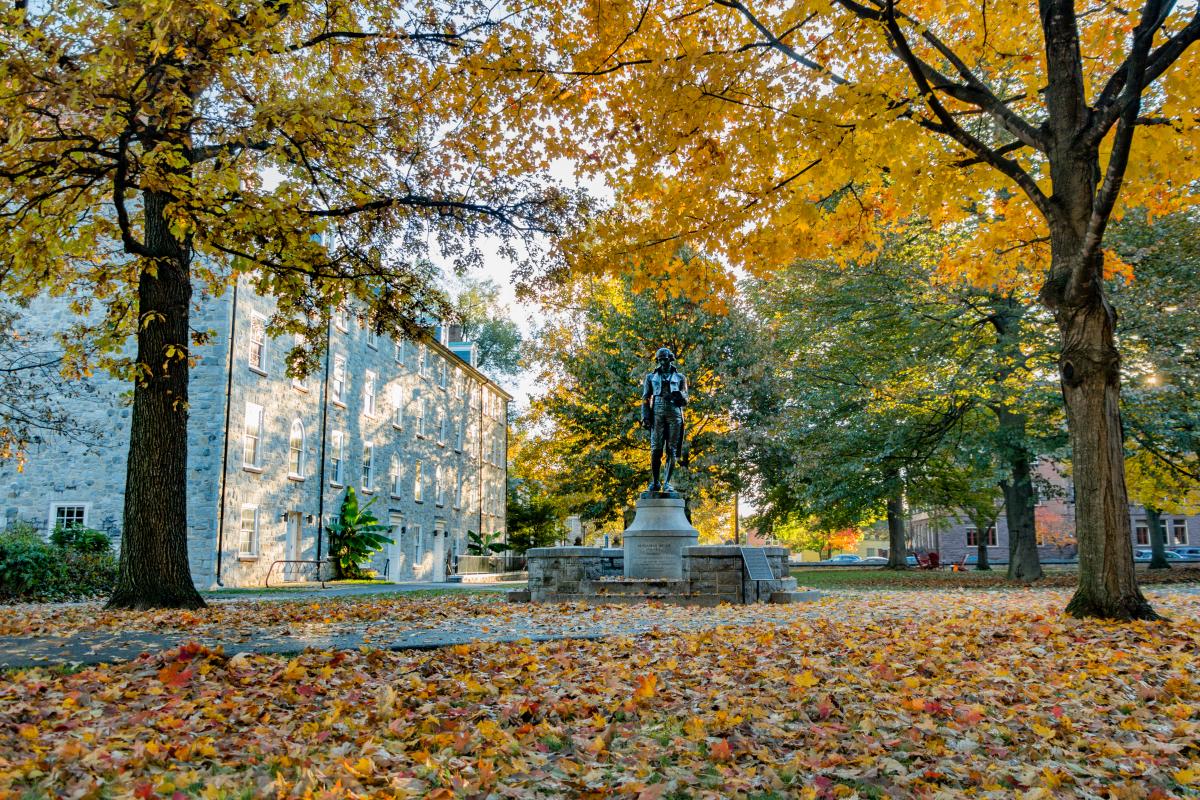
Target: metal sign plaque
{"points": [[757, 566]]}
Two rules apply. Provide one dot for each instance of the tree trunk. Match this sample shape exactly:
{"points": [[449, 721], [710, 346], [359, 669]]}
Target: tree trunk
{"points": [[982, 556], [1158, 544], [1024, 564], [897, 548], [154, 570], [1089, 372]]}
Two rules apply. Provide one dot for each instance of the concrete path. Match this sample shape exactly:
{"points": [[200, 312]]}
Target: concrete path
{"points": [[309, 591]]}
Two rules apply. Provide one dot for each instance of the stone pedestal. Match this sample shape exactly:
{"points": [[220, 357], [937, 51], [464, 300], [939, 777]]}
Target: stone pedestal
{"points": [[654, 543]]}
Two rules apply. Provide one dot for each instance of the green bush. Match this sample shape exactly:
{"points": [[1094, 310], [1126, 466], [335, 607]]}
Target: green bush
{"points": [[85, 540], [33, 569], [354, 535]]}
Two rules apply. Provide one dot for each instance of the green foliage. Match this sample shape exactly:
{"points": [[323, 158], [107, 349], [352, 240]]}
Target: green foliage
{"points": [[485, 321], [354, 534], [84, 540], [535, 519], [485, 544], [33, 569]]}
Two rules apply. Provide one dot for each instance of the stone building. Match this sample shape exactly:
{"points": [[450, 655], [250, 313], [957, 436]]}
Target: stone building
{"points": [[414, 426]]}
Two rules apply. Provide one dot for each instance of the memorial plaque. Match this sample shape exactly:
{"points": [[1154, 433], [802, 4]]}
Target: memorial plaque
{"points": [[757, 565]]}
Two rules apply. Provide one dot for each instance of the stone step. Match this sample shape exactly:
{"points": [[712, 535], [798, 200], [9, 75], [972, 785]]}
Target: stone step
{"points": [[649, 587], [807, 596], [518, 596], [787, 585]]}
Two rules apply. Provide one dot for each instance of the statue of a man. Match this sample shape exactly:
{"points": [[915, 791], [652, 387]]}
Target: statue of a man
{"points": [[664, 394]]}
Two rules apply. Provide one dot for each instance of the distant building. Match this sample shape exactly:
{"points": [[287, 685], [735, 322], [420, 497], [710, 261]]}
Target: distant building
{"points": [[954, 538], [415, 427]]}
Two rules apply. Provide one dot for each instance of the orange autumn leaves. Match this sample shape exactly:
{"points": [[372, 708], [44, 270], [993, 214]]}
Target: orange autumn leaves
{"points": [[904, 694]]}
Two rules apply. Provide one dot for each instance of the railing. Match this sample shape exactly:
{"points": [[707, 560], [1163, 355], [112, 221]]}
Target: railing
{"points": [[492, 565], [267, 579]]}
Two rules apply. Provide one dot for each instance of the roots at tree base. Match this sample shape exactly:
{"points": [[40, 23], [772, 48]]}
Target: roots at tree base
{"points": [[146, 601], [1127, 608]]}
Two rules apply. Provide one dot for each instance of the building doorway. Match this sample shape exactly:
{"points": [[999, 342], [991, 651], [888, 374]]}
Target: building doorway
{"points": [[291, 570], [399, 567], [439, 556]]}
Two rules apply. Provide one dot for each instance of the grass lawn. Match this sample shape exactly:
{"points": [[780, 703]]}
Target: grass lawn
{"points": [[875, 578]]}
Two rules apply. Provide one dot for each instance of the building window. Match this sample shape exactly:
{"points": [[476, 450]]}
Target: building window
{"points": [[337, 455], [418, 495], [369, 394], [422, 414], [423, 361], [458, 383], [1141, 533], [462, 434], [341, 318], [299, 382], [395, 475], [398, 350], [973, 537], [1179, 531], [248, 532], [397, 406], [258, 343], [296, 450], [418, 549], [439, 487], [252, 435], [443, 424], [372, 337], [339, 381], [368, 467], [443, 368], [458, 492], [68, 515]]}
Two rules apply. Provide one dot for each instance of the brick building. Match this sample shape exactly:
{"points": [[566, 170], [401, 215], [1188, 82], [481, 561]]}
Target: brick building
{"points": [[412, 425]]}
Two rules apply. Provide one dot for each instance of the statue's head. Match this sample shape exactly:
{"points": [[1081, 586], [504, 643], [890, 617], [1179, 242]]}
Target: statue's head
{"points": [[664, 356]]}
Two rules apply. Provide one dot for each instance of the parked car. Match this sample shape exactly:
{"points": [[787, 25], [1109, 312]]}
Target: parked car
{"points": [[1189, 553], [845, 558], [1146, 555], [874, 560], [911, 560]]}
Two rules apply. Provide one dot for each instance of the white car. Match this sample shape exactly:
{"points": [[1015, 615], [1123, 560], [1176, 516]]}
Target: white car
{"points": [[1146, 555], [845, 558]]}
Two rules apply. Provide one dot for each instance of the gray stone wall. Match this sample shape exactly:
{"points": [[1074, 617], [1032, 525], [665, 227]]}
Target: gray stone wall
{"points": [[467, 457]]}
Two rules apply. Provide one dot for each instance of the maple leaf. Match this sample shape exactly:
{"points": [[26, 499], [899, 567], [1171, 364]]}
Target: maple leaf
{"points": [[721, 751]]}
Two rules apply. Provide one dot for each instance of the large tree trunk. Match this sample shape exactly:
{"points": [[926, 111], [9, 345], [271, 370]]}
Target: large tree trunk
{"points": [[1024, 564], [1089, 372], [897, 547], [1158, 544], [154, 569], [981, 558]]}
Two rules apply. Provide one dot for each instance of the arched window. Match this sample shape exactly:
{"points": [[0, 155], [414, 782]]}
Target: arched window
{"points": [[296, 450]]}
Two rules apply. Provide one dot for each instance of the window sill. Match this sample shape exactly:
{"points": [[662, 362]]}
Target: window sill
{"points": [[397, 427], [292, 476], [338, 403], [300, 388], [252, 468], [336, 484], [247, 557], [395, 496], [441, 444], [257, 370]]}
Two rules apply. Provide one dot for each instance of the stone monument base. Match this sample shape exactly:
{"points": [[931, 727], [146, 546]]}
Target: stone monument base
{"points": [[655, 542]]}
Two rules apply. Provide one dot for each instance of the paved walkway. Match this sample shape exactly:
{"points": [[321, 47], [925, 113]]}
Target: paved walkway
{"points": [[309, 591]]}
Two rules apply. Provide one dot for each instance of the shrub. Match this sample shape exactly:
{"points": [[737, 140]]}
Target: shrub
{"points": [[354, 534], [32, 568], [84, 540]]}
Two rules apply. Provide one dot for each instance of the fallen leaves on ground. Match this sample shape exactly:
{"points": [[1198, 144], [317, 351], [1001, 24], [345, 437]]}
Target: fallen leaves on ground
{"points": [[908, 694], [970, 578]]}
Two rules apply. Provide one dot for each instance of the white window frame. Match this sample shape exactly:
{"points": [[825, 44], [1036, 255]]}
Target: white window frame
{"points": [[52, 516], [255, 462], [372, 336], [368, 468], [369, 394], [397, 476], [423, 360], [297, 456], [257, 347], [417, 543], [398, 406], [341, 318], [439, 487], [422, 415], [337, 455], [252, 551], [458, 492], [443, 423], [442, 369], [398, 350], [462, 435], [340, 381], [1178, 526], [418, 480]]}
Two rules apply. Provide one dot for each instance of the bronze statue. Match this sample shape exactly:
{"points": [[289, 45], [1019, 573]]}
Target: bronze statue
{"points": [[664, 394]]}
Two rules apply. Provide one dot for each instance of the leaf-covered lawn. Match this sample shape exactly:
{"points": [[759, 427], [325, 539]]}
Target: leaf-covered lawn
{"points": [[995, 578], [905, 694]]}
